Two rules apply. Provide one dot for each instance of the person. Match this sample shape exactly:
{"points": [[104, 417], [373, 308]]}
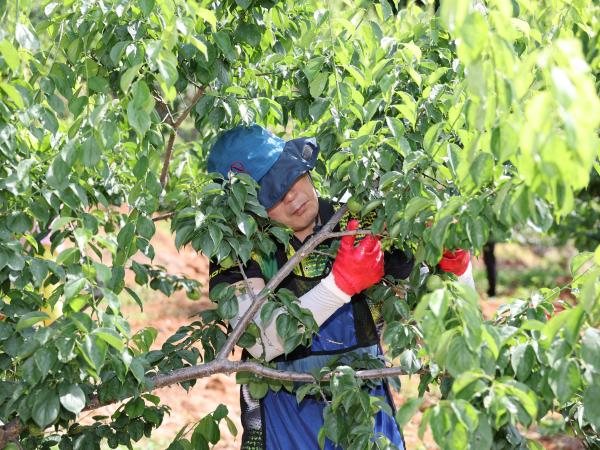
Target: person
{"points": [[330, 287]]}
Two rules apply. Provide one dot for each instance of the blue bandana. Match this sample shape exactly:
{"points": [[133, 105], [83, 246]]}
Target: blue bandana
{"points": [[272, 162]]}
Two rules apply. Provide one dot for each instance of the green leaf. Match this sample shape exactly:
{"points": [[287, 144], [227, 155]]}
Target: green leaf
{"points": [[231, 426], [223, 41], [126, 235], [318, 108], [72, 398], [474, 37], [58, 174], [10, 55], [208, 16], [453, 13], [408, 410], [90, 152], [591, 405], [459, 358], [139, 107], [564, 380], [318, 84], [73, 287], [199, 442], [45, 358], [111, 337], [137, 369], [135, 408], [30, 319], [135, 297], [483, 435], [258, 389], [267, 310], [13, 94], [26, 38], [98, 84], [482, 169], [209, 429], [94, 351], [129, 75], [46, 407], [522, 359], [228, 307], [138, 119], [246, 224], [590, 348], [147, 6], [579, 261], [145, 227], [167, 67]]}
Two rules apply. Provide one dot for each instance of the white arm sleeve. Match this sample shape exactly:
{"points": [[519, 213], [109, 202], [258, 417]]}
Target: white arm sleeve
{"points": [[322, 300], [467, 277]]}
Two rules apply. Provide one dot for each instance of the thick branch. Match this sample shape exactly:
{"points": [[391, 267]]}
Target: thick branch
{"points": [[308, 247], [165, 169], [11, 431]]}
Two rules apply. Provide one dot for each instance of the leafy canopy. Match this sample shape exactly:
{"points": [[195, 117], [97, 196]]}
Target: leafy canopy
{"points": [[477, 118]]}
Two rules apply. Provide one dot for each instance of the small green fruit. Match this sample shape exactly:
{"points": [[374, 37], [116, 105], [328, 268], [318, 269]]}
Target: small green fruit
{"points": [[227, 262], [434, 282], [354, 206]]}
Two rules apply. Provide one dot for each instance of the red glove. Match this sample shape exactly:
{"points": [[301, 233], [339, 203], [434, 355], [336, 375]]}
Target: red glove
{"points": [[360, 267], [456, 262]]}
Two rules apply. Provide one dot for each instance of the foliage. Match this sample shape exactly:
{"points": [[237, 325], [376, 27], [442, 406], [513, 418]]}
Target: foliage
{"points": [[476, 118]]}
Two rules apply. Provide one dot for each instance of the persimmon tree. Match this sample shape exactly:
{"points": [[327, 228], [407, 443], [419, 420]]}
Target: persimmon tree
{"points": [[473, 119]]}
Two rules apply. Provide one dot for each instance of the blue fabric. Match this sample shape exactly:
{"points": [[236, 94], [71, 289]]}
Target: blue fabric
{"points": [[268, 159], [252, 150], [337, 332], [289, 425], [298, 157]]}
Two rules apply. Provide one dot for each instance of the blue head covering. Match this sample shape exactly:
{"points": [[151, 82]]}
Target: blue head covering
{"points": [[274, 163]]}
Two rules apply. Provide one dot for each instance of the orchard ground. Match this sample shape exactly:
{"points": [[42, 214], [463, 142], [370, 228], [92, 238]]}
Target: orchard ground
{"points": [[522, 267]]}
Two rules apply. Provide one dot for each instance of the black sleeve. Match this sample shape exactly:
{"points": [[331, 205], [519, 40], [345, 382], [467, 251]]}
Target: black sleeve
{"points": [[232, 274], [398, 264]]}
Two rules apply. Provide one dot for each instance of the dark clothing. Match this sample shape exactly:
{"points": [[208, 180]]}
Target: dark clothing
{"points": [[352, 328]]}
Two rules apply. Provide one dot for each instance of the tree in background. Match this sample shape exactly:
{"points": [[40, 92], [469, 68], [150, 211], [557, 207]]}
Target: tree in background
{"points": [[474, 118]]}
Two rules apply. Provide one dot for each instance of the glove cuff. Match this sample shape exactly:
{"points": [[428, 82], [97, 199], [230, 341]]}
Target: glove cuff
{"points": [[342, 283], [329, 283]]}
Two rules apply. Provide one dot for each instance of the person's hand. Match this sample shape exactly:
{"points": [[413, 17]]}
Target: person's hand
{"points": [[360, 267], [455, 262]]}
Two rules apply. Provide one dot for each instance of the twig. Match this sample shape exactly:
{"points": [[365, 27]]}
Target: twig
{"points": [[165, 169], [164, 216]]}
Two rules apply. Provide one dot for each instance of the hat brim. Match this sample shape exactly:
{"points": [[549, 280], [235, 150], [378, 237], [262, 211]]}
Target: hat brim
{"points": [[297, 158]]}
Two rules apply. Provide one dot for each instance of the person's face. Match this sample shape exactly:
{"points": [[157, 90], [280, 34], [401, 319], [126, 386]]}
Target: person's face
{"points": [[298, 208]]}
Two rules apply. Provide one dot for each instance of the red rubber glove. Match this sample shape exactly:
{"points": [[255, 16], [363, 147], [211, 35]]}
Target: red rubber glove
{"points": [[456, 262], [360, 267]]}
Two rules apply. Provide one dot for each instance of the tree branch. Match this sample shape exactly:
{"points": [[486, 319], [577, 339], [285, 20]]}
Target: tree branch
{"points": [[163, 216], [165, 169], [308, 247], [11, 430]]}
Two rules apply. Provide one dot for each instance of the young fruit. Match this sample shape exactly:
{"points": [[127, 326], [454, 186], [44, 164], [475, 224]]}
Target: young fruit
{"points": [[227, 262], [354, 205], [434, 282]]}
